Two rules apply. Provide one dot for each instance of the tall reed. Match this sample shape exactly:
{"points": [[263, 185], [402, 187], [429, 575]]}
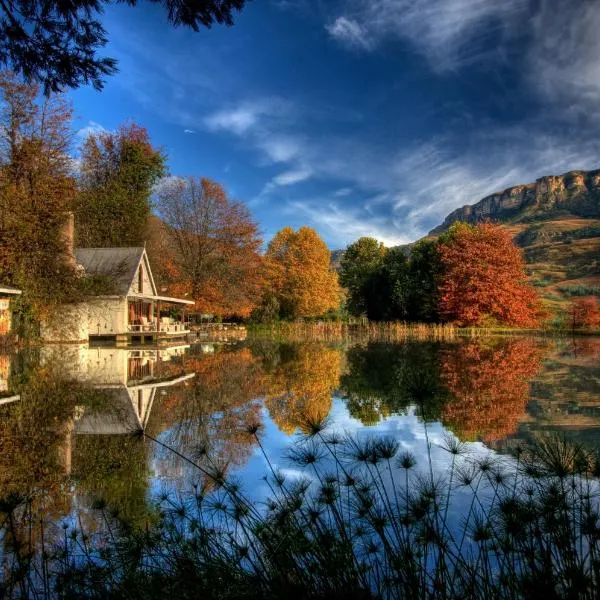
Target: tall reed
{"points": [[364, 521]]}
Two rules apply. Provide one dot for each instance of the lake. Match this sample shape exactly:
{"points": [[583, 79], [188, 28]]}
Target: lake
{"points": [[123, 428], [70, 417]]}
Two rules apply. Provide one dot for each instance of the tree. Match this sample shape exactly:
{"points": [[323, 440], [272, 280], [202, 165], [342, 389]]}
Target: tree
{"points": [[215, 246], [421, 296], [117, 174], [36, 189], [483, 278], [584, 313], [301, 278], [300, 387], [56, 43], [488, 384], [360, 261]]}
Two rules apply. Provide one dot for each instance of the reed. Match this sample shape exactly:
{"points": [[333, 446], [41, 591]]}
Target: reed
{"points": [[365, 521], [361, 331]]}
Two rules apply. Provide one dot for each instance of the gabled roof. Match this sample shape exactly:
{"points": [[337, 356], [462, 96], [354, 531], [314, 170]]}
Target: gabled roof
{"points": [[120, 264]]}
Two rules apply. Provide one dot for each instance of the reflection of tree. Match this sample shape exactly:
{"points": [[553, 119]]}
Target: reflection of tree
{"points": [[300, 382], [384, 379], [113, 469], [213, 409], [35, 451], [489, 382]]}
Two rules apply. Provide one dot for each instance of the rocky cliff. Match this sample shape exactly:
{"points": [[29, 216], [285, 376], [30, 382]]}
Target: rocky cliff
{"points": [[576, 193]]}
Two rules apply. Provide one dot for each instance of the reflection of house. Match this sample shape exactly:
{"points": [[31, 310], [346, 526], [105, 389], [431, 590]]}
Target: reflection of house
{"points": [[7, 294], [131, 312], [128, 381], [5, 394]]}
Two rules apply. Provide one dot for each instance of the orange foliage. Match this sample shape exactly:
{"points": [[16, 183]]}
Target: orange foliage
{"points": [[484, 278], [300, 390], [301, 277], [490, 387], [226, 384], [207, 248], [584, 313]]}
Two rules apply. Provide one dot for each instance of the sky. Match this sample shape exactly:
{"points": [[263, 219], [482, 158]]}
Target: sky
{"points": [[360, 117]]}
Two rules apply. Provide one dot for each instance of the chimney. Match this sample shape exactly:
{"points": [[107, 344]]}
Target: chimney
{"points": [[67, 234]]}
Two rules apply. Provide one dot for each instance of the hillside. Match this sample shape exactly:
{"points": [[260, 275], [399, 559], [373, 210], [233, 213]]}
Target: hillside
{"points": [[556, 221]]}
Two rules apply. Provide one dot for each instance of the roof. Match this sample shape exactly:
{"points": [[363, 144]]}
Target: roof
{"points": [[8, 289], [118, 263]]}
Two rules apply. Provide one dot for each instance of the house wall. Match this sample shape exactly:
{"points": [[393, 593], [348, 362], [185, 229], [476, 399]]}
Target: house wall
{"points": [[76, 322], [5, 315], [147, 282]]}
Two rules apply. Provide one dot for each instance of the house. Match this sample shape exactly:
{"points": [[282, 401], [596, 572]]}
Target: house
{"points": [[7, 294], [130, 309]]}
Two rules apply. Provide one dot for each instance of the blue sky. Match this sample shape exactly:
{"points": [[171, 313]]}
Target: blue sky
{"points": [[361, 117]]}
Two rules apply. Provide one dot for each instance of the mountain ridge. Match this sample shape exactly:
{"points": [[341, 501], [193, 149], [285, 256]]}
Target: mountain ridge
{"points": [[574, 192]]}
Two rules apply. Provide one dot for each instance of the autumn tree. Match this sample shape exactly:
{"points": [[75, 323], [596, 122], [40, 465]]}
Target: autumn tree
{"points": [[300, 385], [215, 246], [584, 313], [301, 279], [36, 189], [488, 384], [213, 409], [359, 262], [116, 177], [56, 43], [483, 278]]}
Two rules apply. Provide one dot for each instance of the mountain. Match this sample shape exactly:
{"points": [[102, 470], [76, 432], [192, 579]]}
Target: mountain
{"points": [[556, 221], [576, 193]]}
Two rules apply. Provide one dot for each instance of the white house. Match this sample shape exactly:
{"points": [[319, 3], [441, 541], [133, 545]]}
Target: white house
{"points": [[7, 293], [129, 314]]}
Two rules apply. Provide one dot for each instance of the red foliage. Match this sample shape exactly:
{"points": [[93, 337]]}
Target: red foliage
{"points": [[584, 313], [490, 387], [484, 278]]}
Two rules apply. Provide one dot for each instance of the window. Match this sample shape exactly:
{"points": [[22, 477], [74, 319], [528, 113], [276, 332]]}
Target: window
{"points": [[141, 280]]}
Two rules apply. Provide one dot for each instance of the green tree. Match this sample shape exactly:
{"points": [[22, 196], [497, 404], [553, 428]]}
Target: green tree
{"points": [[55, 43], [422, 281], [117, 175], [360, 262]]}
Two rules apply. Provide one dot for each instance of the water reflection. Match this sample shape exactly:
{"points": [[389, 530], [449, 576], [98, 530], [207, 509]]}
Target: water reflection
{"points": [[72, 419]]}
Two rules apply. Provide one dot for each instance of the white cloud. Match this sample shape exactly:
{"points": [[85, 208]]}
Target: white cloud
{"points": [[291, 177], [237, 120], [349, 32], [92, 128], [344, 224], [188, 131], [564, 58], [342, 192], [446, 32]]}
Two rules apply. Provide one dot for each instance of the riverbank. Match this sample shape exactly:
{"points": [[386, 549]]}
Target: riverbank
{"points": [[339, 331]]}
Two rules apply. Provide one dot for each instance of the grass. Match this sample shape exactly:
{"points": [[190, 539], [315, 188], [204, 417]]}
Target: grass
{"points": [[358, 331], [365, 520], [369, 331]]}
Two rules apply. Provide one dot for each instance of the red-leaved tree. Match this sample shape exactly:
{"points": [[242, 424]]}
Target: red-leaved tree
{"points": [[483, 278], [584, 313]]}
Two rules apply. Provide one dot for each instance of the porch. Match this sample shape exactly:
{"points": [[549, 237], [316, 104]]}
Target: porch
{"points": [[145, 315]]}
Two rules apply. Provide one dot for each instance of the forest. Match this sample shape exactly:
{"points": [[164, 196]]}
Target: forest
{"points": [[205, 245]]}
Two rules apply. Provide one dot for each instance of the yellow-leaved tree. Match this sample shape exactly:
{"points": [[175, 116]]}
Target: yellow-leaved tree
{"points": [[302, 282]]}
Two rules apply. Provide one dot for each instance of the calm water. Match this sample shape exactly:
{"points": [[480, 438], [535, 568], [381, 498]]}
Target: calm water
{"points": [[70, 418]]}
